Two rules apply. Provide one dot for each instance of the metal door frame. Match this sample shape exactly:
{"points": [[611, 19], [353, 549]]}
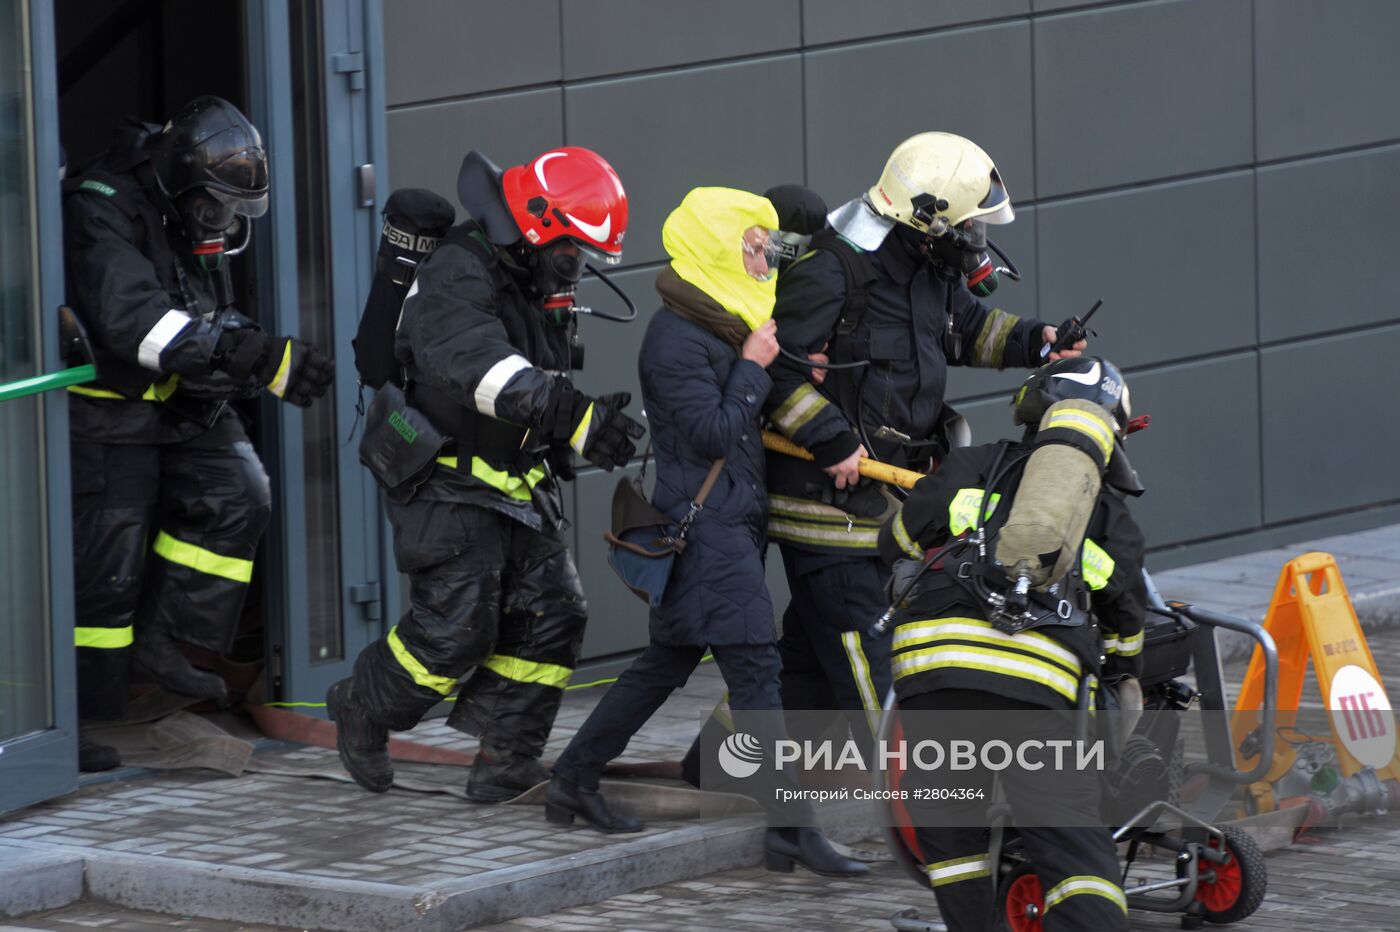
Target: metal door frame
{"points": [[45, 764], [353, 109]]}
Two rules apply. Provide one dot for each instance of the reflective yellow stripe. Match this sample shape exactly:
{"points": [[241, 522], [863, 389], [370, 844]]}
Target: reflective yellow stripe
{"points": [[278, 385], [157, 391], [914, 633], [1096, 565], [103, 638], [415, 668], [987, 352], [517, 487], [901, 536], [1087, 425], [1084, 883], [801, 406], [201, 560], [1110, 645], [860, 673], [964, 511], [1130, 646], [529, 671], [581, 431], [987, 660], [956, 869], [855, 537]]}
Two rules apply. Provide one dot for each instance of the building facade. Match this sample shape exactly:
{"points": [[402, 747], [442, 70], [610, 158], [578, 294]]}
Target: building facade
{"points": [[1219, 172]]}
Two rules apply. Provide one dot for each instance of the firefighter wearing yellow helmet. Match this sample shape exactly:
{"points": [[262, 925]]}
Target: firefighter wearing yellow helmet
{"points": [[893, 290]]}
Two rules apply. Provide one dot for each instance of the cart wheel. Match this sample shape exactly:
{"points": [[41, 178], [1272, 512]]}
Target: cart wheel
{"points": [[1020, 902], [1239, 884]]}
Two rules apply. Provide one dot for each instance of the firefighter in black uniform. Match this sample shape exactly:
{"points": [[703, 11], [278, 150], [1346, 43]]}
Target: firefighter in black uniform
{"points": [[952, 653], [485, 339], [169, 499], [887, 283]]}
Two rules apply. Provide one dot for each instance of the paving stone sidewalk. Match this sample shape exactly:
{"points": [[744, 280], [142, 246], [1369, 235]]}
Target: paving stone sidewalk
{"points": [[265, 848]]}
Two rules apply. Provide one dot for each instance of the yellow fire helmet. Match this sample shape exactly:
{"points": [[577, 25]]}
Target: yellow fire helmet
{"points": [[713, 244], [935, 181]]}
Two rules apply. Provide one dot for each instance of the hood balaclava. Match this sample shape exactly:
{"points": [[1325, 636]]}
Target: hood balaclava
{"points": [[704, 238]]}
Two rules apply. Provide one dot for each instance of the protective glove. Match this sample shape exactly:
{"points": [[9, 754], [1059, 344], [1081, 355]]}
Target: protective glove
{"points": [[595, 428], [292, 369]]}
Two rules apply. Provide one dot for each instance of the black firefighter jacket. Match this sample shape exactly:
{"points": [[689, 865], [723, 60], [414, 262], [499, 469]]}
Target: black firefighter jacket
{"points": [[150, 311], [471, 337], [902, 333], [943, 640]]}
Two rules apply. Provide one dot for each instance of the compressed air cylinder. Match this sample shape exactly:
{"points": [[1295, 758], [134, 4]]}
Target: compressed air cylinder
{"points": [[1059, 488]]}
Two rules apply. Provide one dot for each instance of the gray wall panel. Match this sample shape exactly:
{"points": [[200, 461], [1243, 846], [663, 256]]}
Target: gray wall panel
{"points": [[1172, 287], [839, 20], [1360, 284], [666, 134], [1325, 448], [617, 619], [1343, 94], [1140, 92], [427, 143], [864, 100], [612, 36], [446, 48], [1200, 458], [611, 349]]}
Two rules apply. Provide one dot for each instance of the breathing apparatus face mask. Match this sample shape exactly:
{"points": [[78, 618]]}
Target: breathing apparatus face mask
{"points": [[961, 251], [210, 221], [762, 250], [554, 272]]}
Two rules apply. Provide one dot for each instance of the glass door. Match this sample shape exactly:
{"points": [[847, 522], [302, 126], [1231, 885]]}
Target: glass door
{"points": [[38, 749], [312, 74]]}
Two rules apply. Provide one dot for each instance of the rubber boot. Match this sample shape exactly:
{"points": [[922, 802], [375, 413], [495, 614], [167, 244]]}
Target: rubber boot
{"points": [[565, 799], [156, 656], [499, 775], [363, 744], [784, 847], [94, 757]]}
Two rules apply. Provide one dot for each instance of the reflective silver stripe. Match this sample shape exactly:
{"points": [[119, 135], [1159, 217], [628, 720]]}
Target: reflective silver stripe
{"points": [[991, 342], [801, 508], [970, 868], [159, 337], [799, 408], [901, 537], [912, 633], [1110, 645], [1084, 883], [1130, 646], [860, 673], [494, 382], [857, 536]]}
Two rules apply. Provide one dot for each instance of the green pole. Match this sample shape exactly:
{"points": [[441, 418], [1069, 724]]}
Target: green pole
{"points": [[47, 382]]}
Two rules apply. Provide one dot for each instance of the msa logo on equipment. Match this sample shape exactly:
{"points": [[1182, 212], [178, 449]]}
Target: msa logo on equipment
{"points": [[405, 240]]}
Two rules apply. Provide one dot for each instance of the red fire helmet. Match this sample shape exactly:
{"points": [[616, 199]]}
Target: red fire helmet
{"points": [[569, 192]]}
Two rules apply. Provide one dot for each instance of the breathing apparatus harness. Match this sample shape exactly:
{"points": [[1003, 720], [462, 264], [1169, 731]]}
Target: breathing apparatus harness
{"points": [[1012, 606]]}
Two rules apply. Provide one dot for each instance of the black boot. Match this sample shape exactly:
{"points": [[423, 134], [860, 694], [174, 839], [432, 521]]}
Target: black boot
{"points": [[499, 775], [94, 757], [565, 799], [363, 743], [784, 847], [156, 655]]}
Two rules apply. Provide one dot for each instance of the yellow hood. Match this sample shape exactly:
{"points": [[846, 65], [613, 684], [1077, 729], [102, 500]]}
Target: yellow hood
{"points": [[704, 236]]}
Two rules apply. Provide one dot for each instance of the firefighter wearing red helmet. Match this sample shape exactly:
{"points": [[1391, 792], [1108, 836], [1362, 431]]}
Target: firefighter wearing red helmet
{"points": [[485, 340]]}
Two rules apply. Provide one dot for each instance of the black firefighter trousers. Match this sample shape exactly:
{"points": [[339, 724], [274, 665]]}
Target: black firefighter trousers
{"points": [[1075, 861], [163, 536], [485, 592]]}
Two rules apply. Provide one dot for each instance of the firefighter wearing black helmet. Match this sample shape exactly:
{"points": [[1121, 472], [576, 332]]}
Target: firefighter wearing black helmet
{"points": [[895, 283], [952, 649], [169, 499]]}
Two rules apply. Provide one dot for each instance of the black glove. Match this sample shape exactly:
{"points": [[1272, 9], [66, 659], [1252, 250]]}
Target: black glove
{"points": [[291, 369], [595, 428]]}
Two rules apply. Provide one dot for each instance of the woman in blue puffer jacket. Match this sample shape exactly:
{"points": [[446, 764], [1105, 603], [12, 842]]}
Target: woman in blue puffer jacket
{"points": [[704, 385]]}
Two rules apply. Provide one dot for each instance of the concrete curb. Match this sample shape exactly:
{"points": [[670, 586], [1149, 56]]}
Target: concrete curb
{"points": [[32, 881], [213, 891]]}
